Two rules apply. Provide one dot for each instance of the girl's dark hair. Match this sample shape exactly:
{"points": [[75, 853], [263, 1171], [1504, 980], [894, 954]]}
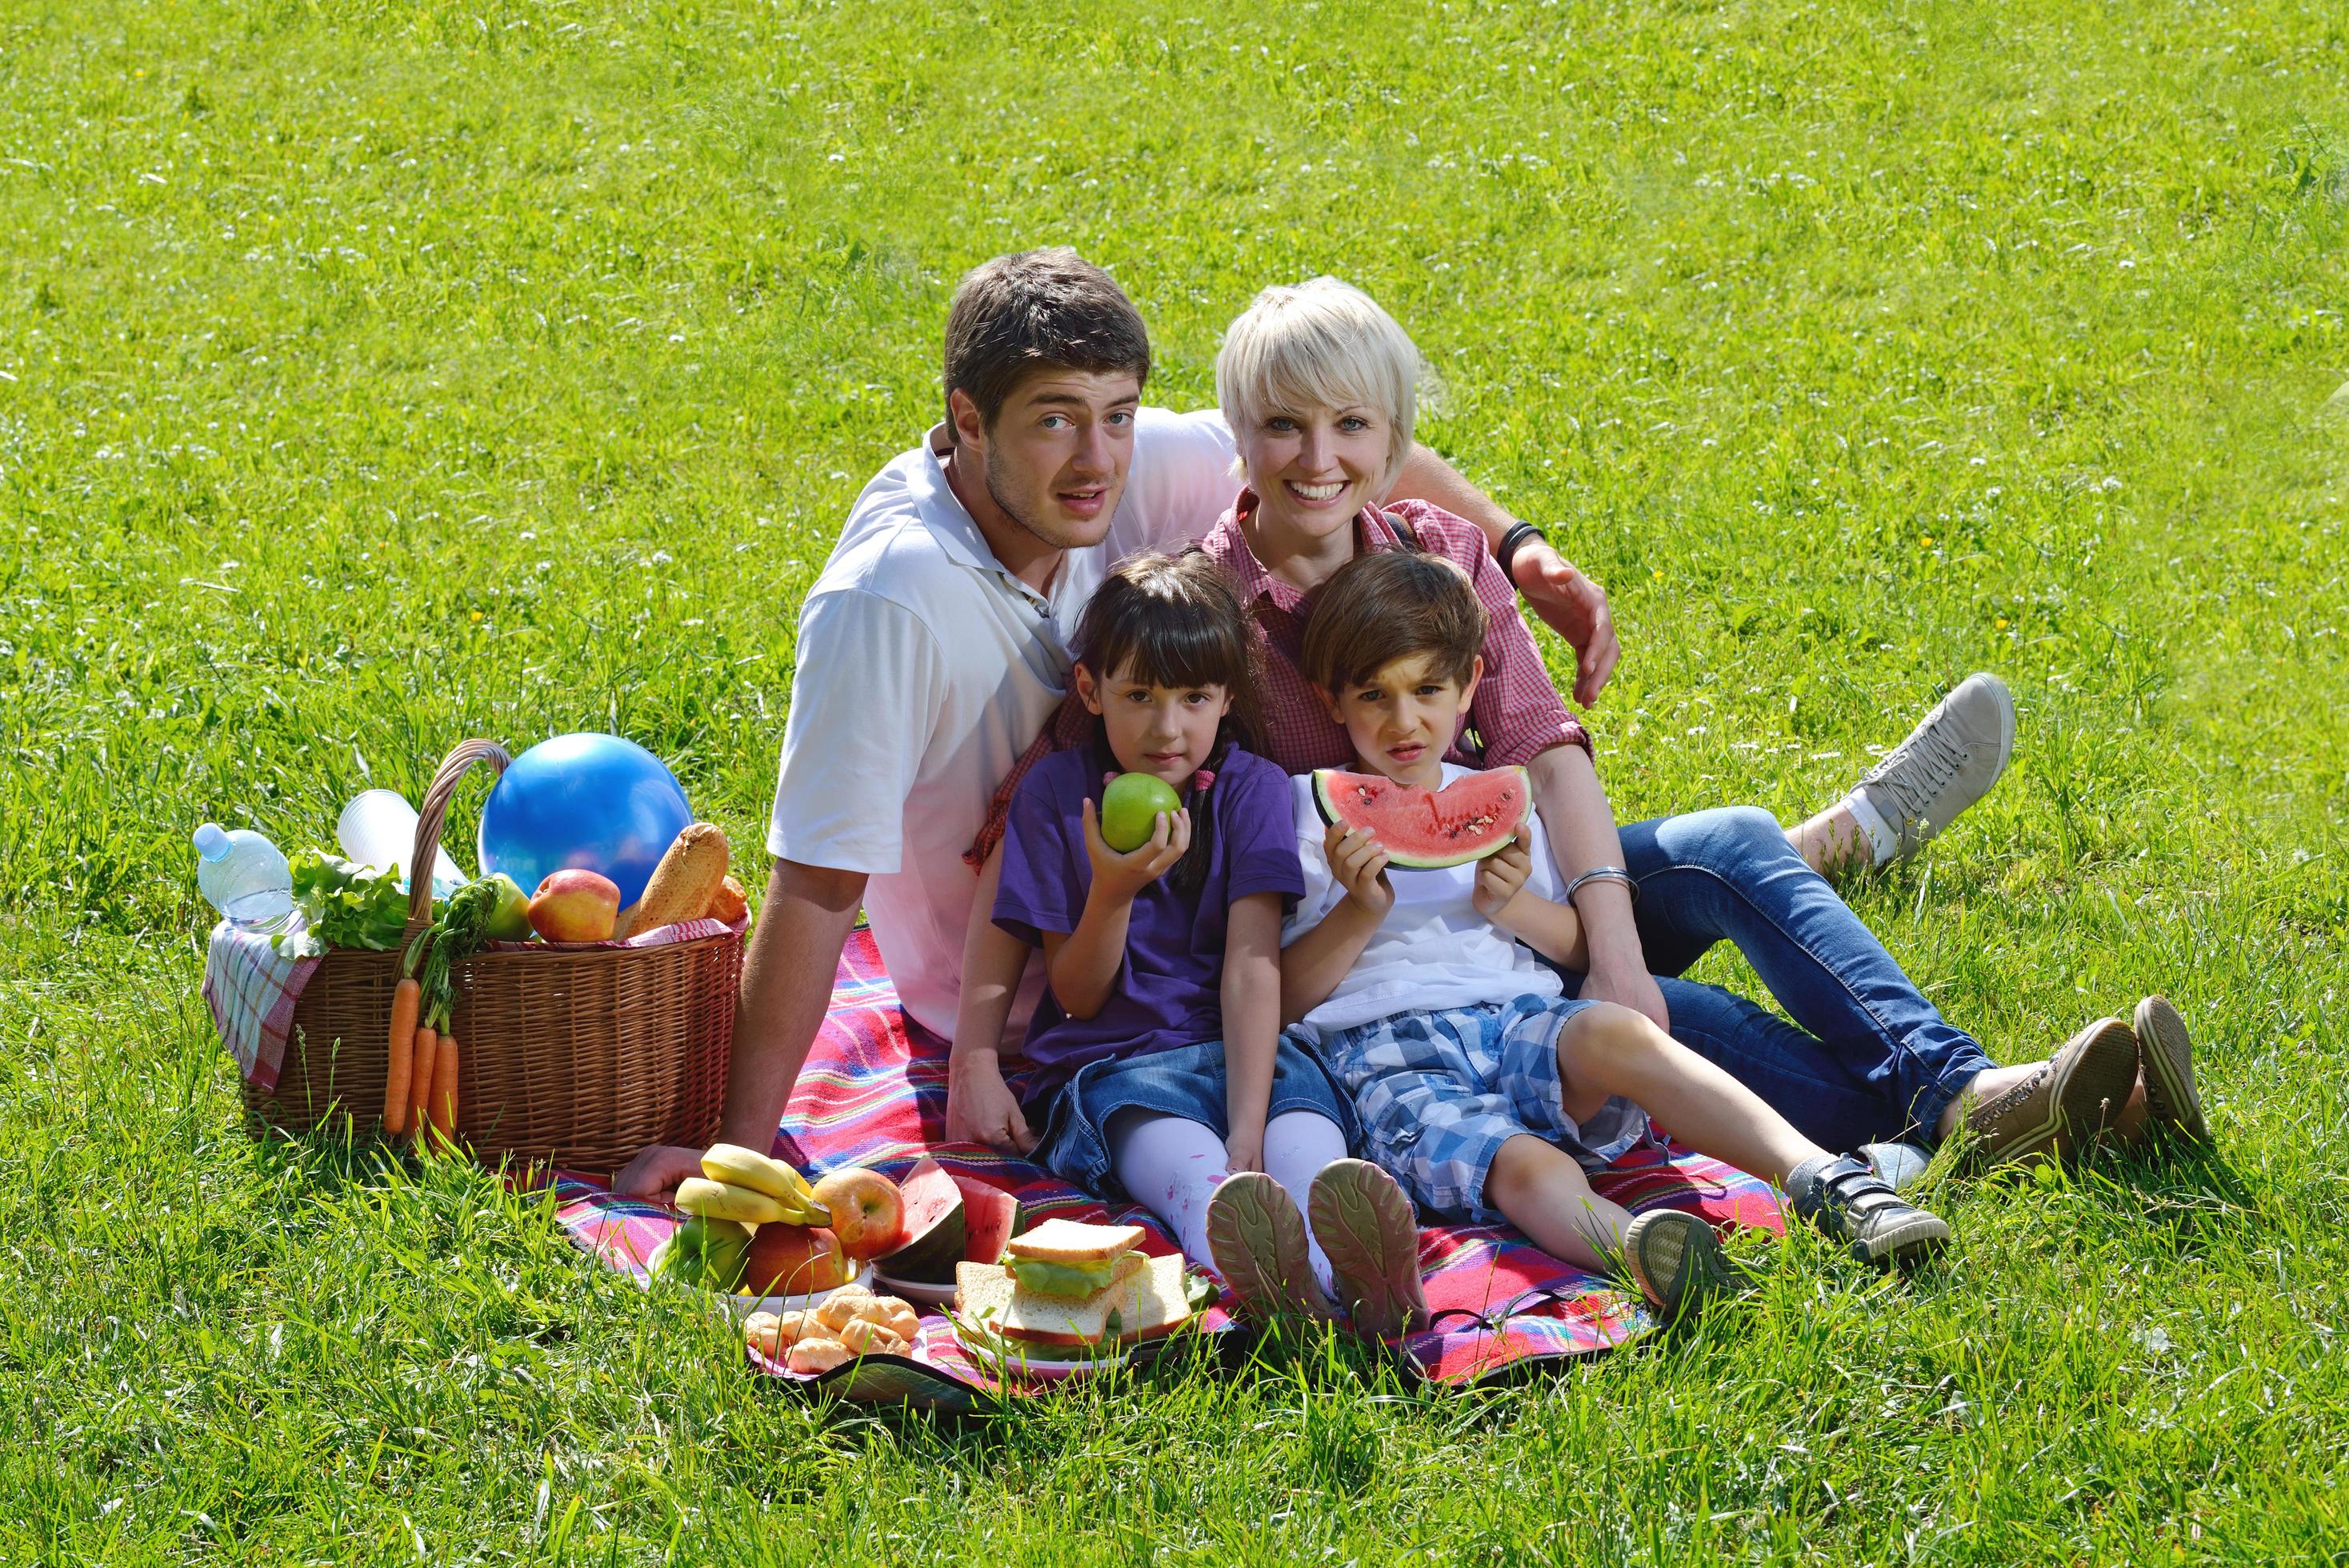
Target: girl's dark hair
{"points": [[1175, 621]]}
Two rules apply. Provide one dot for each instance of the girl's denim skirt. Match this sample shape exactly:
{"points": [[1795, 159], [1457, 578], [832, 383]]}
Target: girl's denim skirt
{"points": [[1187, 1081]]}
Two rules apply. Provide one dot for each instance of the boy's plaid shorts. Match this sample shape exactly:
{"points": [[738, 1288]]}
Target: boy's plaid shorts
{"points": [[1439, 1093]]}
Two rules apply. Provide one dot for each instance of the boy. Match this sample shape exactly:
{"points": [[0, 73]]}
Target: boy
{"points": [[1480, 1086]]}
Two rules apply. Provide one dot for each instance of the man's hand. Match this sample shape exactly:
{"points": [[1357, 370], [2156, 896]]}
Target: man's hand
{"points": [[1633, 988], [1502, 874], [1123, 875], [655, 1171], [981, 1108], [1576, 608], [1360, 866]]}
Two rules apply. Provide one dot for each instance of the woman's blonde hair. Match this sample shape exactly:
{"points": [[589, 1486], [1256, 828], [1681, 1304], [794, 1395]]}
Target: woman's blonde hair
{"points": [[1318, 343]]}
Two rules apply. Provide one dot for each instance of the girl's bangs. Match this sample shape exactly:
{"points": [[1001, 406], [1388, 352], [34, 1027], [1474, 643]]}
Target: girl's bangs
{"points": [[1168, 643]]}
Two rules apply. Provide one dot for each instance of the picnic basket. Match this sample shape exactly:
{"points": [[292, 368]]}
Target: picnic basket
{"points": [[573, 1056]]}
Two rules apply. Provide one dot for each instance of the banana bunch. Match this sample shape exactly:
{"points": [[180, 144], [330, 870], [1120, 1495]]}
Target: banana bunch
{"points": [[741, 1184]]}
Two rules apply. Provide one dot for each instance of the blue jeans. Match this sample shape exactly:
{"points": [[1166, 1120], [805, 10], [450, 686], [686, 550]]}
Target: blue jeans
{"points": [[1867, 1058]]}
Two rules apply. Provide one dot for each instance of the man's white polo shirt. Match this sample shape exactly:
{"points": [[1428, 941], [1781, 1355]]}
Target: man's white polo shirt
{"points": [[925, 668]]}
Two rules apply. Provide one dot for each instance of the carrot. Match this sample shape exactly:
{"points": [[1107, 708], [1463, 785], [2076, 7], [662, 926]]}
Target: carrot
{"points": [[405, 998], [420, 1084], [444, 1092]]}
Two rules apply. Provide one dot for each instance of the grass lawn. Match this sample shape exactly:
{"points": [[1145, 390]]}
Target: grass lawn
{"points": [[374, 374]]}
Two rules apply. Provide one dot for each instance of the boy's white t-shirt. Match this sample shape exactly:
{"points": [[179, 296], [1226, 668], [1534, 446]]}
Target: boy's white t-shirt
{"points": [[1433, 951]]}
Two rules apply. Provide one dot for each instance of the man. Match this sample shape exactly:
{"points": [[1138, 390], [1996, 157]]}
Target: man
{"points": [[935, 647]]}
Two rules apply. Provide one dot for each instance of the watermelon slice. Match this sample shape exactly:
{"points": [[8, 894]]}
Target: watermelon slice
{"points": [[1422, 830], [990, 1217], [934, 1227]]}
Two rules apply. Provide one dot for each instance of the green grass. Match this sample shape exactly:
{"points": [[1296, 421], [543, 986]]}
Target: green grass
{"points": [[375, 374]]}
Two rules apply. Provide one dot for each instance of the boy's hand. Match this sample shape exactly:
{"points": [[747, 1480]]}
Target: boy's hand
{"points": [[1123, 876], [1360, 866], [1502, 874]]}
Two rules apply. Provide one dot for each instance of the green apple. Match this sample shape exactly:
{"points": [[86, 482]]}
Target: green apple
{"points": [[1130, 809]]}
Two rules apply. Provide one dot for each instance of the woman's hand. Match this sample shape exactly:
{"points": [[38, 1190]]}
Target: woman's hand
{"points": [[1576, 608], [1122, 876], [981, 1108], [1502, 874], [1360, 866]]}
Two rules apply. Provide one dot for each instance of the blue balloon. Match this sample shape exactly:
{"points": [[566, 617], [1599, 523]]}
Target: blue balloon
{"points": [[593, 801]]}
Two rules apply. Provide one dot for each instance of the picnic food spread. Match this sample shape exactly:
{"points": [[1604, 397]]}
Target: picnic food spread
{"points": [[1474, 816], [1071, 1286], [348, 988]]}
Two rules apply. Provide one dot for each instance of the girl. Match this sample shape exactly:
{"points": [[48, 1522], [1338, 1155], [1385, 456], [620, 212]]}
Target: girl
{"points": [[1157, 1070]]}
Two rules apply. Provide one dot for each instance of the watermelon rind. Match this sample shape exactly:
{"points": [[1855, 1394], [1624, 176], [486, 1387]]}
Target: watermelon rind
{"points": [[1337, 796], [934, 1227]]}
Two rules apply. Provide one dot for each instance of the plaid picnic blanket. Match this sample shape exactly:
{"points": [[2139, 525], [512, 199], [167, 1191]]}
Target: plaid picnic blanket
{"points": [[868, 1095], [252, 988]]}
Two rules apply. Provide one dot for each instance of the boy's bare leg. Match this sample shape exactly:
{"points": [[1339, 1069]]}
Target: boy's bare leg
{"points": [[1607, 1050], [1542, 1190]]}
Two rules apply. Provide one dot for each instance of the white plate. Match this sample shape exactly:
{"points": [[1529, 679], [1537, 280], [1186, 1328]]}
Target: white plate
{"points": [[743, 1305], [914, 1291]]}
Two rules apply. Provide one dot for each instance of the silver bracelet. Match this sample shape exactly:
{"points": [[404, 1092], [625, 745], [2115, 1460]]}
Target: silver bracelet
{"points": [[1601, 873]]}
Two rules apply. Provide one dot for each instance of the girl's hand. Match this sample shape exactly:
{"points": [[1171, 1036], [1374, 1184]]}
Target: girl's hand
{"points": [[1360, 866], [1123, 876], [1244, 1151], [1502, 874]]}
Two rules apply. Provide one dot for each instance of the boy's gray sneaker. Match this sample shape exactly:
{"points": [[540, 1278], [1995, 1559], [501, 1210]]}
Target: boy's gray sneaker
{"points": [[1949, 762], [1850, 1202], [1678, 1263]]}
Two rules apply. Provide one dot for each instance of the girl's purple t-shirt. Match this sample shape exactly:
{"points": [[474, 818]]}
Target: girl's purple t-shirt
{"points": [[1169, 988]]}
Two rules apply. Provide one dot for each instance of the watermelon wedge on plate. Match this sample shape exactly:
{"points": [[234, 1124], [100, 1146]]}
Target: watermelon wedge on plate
{"points": [[1425, 830]]}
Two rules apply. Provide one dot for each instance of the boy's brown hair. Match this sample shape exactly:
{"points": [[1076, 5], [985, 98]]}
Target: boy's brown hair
{"points": [[1394, 604], [1035, 310]]}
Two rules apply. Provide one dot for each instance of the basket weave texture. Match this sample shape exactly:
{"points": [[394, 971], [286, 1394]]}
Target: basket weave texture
{"points": [[573, 1057]]}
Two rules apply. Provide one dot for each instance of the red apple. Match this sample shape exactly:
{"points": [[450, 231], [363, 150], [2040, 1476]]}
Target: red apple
{"points": [[868, 1213], [575, 906], [793, 1260]]}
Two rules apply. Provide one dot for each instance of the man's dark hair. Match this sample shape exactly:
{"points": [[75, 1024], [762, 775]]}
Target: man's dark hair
{"points": [[1395, 604], [1035, 309]]}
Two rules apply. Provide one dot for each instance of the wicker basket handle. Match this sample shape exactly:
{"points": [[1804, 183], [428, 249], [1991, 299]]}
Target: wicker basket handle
{"points": [[427, 825]]}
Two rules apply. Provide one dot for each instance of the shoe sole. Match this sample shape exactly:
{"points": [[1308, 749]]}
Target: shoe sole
{"points": [[1370, 1236], [1677, 1262], [2106, 1057], [1257, 1239], [1911, 1241], [2166, 1051], [2099, 1084]]}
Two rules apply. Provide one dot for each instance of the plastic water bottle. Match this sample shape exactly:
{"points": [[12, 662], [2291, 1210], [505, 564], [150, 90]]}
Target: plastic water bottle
{"points": [[244, 876]]}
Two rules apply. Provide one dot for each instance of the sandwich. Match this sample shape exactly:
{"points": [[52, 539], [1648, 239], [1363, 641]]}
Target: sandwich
{"points": [[1075, 1288]]}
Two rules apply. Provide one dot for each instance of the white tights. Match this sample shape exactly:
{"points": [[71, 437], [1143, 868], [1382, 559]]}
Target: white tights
{"points": [[1173, 1166]]}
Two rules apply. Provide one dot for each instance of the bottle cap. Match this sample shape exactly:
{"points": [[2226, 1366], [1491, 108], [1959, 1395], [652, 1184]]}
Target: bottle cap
{"points": [[211, 842]]}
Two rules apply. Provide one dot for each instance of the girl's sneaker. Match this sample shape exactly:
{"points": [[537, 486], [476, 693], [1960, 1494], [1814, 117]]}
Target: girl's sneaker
{"points": [[1370, 1236], [2164, 1053], [1678, 1263], [1850, 1202], [1257, 1238]]}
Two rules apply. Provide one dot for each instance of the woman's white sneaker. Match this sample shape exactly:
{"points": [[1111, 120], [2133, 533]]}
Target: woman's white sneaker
{"points": [[1949, 761]]}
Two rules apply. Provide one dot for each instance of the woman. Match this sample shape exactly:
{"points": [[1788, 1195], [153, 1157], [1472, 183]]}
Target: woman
{"points": [[1317, 385]]}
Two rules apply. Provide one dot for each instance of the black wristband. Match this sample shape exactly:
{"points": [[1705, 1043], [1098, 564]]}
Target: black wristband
{"points": [[1505, 556]]}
